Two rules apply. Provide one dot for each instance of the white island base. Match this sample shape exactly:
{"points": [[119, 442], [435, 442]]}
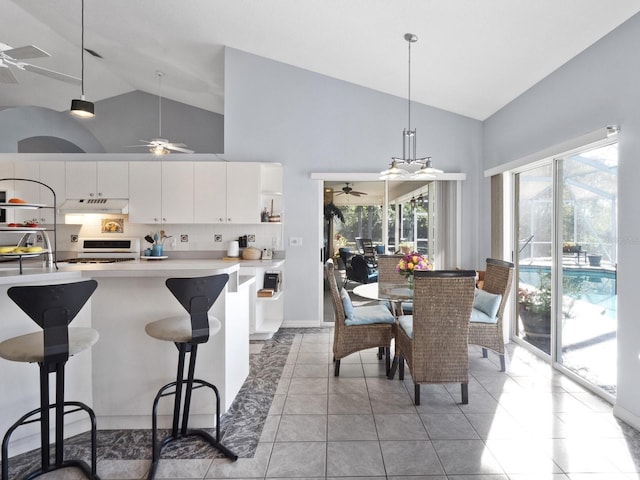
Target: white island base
{"points": [[120, 376]]}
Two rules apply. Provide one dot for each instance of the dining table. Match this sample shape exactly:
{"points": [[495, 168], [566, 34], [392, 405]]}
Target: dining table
{"points": [[394, 293]]}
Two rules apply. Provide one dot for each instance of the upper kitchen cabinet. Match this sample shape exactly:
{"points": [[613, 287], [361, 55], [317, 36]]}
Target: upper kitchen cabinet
{"points": [[103, 179], [235, 193], [210, 192], [161, 192], [51, 173]]}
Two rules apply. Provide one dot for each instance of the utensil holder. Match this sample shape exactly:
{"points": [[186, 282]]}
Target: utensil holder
{"points": [[156, 251]]}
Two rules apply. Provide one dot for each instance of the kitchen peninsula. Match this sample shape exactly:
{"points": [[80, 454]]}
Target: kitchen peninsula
{"points": [[121, 374]]}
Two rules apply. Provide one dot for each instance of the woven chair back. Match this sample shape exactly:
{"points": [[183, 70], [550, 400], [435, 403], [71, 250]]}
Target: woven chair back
{"points": [[498, 278], [387, 269], [338, 310], [442, 303]]}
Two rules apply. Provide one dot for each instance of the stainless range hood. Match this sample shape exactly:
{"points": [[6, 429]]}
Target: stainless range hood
{"points": [[95, 205]]}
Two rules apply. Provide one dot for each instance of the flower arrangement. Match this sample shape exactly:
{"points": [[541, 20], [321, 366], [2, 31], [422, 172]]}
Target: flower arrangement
{"points": [[411, 262]]}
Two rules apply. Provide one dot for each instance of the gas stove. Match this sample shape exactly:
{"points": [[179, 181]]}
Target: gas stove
{"points": [[105, 250]]}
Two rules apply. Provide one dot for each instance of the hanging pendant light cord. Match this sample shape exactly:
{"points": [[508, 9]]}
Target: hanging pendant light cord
{"points": [[159, 73], [409, 94], [82, 50]]}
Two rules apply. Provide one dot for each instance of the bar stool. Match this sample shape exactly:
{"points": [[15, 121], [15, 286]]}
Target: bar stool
{"points": [[52, 307], [197, 296]]}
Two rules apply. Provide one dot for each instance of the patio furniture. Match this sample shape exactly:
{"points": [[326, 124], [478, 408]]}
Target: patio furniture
{"points": [[498, 278], [357, 328], [361, 270], [433, 340]]}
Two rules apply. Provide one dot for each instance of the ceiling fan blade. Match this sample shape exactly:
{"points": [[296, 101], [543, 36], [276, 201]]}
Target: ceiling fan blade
{"points": [[6, 76], [63, 77], [355, 194], [359, 193], [338, 193], [28, 51], [174, 147]]}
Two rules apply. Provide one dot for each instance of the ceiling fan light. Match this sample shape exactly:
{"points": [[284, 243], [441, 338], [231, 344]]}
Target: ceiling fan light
{"points": [[82, 108], [158, 150]]}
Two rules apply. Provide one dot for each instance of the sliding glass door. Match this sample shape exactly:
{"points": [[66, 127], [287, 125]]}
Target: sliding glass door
{"points": [[566, 256]]}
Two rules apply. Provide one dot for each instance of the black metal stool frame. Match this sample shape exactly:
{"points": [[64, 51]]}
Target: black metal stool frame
{"points": [[53, 314], [197, 296]]}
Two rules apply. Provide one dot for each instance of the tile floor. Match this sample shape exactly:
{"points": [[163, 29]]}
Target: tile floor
{"points": [[528, 423]]}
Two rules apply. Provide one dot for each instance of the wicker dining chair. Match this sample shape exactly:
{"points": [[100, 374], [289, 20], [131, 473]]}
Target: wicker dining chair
{"points": [[433, 341], [387, 273], [375, 328], [498, 278]]}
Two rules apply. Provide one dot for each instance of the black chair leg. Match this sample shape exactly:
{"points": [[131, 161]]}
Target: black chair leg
{"points": [[416, 393], [184, 431], [464, 387], [336, 369], [502, 363], [484, 353], [43, 418], [380, 352], [400, 367], [387, 360]]}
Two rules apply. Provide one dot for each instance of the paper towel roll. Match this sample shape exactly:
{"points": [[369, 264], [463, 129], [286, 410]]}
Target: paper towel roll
{"points": [[234, 249]]}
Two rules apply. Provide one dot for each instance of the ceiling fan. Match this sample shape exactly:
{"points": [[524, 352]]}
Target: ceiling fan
{"points": [[347, 190], [159, 145], [12, 57]]}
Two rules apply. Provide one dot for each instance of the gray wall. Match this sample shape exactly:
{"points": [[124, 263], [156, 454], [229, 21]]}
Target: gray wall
{"points": [[313, 123], [126, 119], [120, 121], [598, 87]]}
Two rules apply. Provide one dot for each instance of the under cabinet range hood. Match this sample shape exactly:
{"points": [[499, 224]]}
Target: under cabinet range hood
{"points": [[95, 205]]}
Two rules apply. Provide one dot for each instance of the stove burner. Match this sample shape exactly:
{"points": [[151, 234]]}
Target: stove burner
{"points": [[96, 260]]}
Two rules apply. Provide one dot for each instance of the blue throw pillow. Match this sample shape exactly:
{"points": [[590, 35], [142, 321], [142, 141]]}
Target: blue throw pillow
{"points": [[346, 304], [369, 315], [487, 303]]}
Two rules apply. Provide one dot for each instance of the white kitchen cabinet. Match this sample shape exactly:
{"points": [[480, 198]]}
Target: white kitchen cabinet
{"points": [[52, 173], [103, 179], [177, 192], [161, 192], [243, 192], [145, 192], [210, 192]]}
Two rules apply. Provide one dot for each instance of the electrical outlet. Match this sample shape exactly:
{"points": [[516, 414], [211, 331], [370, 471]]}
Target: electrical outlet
{"points": [[251, 238], [184, 238], [74, 238], [217, 237]]}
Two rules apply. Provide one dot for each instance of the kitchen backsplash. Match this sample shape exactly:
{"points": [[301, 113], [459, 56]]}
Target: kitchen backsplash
{"points": [[184, 237]]}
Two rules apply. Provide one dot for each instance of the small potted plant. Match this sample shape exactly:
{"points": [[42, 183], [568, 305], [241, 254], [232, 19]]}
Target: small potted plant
{"points": [[594, 259]]}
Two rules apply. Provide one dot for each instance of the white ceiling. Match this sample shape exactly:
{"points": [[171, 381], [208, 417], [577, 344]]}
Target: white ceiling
{"points": [[472, 56]]}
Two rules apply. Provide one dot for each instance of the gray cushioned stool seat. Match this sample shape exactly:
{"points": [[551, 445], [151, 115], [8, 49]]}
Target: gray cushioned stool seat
{"points": [[178, 328], [30, 347]]}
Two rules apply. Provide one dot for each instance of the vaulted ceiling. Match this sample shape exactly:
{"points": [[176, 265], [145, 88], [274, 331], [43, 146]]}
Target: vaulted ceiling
{"points": [[472, 57]]}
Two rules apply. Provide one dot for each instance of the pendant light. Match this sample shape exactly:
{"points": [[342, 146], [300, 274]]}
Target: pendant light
{"points": [[81, 107], [409, 165]]}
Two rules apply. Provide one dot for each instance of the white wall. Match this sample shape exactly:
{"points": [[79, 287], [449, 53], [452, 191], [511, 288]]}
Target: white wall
{"points": [[313, 123], [598, 87]]}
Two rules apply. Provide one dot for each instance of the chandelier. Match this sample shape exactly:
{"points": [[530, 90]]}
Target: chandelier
{"points": [[409, 165]]}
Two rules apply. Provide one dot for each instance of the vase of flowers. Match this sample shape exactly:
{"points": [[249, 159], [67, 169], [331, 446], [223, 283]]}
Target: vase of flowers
{"points": [[410, 263]]}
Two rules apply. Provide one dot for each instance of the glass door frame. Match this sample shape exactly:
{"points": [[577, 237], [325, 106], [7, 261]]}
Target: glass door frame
{"points": [[557, 163]]}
